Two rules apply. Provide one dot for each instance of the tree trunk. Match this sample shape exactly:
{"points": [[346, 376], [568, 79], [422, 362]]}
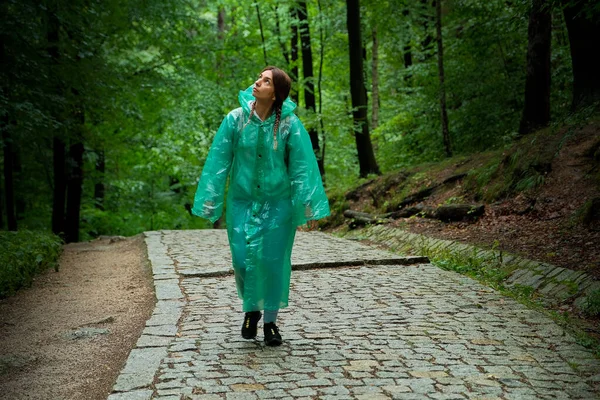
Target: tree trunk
{"points": [[309, 85], [407, 50], [361, 218], [366, 157], [1, 207], [428, 20], [20, 204], [262, 35], [536, 113], [408, 61], [284, 50], [99, 185], [220, 37], [321, 58], [58, 145], [221, 23], [11, 218], [8, 162], [440, 48], [375, 82], [294, 51], [446, 213], [583, 25], [74, 189], [60, 186]]}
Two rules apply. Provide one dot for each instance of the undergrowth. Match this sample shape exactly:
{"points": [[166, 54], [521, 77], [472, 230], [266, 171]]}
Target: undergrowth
{"points": [[23, 254]]}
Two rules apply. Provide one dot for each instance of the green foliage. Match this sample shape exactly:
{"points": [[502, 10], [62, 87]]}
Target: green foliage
{"points": [[592, 304], [24, 254], [156, 77]]}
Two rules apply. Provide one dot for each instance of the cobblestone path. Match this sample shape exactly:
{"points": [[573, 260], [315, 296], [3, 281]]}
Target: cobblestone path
{"points": [[378, 331]]}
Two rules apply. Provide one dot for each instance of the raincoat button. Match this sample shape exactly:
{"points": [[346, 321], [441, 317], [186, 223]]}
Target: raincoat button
{"points": [[260, 156]]}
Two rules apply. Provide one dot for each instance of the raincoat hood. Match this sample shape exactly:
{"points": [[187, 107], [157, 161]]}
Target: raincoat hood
{"points": [[246, 98]]}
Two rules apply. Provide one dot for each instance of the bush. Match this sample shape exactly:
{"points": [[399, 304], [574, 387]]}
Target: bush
{"points": [[24, 254]]}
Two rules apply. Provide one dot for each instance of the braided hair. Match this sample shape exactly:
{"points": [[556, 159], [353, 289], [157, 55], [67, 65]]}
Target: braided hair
{"points": [[249, 115], [276, 126]]}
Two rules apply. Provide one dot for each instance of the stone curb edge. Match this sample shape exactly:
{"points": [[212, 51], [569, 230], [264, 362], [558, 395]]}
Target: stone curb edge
{"points": [[410, 260], [135, 379]]}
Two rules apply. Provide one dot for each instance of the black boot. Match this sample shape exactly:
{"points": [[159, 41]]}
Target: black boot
{"points": [[249, 328], [272, 336]]}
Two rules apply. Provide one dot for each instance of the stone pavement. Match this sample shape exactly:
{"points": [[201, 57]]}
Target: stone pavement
{"points": [[553, 285], [376, 329]]}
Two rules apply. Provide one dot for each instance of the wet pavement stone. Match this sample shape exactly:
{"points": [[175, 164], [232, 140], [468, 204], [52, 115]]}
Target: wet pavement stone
{"points": [[379, 331]]}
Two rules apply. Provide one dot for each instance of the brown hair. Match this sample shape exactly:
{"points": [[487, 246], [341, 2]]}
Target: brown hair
{"points": [[282, 85]]}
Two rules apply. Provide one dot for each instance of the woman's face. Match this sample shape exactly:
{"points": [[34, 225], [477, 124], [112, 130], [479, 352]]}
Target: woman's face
{"points": [[264, 89]]}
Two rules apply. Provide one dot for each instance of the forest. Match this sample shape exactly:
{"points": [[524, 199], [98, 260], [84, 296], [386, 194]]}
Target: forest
{"points": [[108, 108]]}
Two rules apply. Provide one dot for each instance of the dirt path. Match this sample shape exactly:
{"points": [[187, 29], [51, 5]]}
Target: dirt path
{"points": [[103, 284]]}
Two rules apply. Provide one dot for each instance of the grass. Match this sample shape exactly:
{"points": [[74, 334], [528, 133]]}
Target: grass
{"points": [[592, 304]]}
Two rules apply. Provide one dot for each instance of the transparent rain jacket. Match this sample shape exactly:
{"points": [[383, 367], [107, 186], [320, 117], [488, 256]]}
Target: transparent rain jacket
{"points": [[271, 192]]}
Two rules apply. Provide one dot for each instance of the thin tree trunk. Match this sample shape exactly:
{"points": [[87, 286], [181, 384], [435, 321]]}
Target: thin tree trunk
{"points": [[407, 50], [220, 37], [428, 19], [1, 206], [321, 58], [99, 185], [440, 48], [294, 50], [583, 24], [7, 166], [536, 112], [221, 23], [375, 81], [284, 50], [358, 91], [20, 204], [60, 186], [58, 145], [309, 85], [11, 218], [74, 190], [262, 35], [408, 61]]}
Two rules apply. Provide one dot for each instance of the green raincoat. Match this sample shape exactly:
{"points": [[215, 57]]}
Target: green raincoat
{"points": [[271, 192]]}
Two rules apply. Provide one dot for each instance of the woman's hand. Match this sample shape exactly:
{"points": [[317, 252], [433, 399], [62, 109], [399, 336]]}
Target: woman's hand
{"points": [[209, 208], [308, 211]]}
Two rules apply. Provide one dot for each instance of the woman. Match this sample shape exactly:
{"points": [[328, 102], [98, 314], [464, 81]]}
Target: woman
{"points": [[274, 187]]}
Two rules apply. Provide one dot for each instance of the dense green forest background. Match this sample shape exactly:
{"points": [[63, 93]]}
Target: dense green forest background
{"points": [[108, 108]]}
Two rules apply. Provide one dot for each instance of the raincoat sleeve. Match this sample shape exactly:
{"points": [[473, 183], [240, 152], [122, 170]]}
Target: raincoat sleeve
{"points": [[210, 194], [308, 195]]}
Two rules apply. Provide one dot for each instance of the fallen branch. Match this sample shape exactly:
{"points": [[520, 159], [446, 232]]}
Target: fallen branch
{"points": [[362, 218], [446, 213]]}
